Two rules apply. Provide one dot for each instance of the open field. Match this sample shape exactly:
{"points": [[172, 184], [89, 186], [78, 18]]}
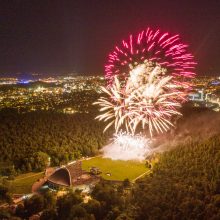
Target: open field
{"points": [[22, 183], [118, 169]]}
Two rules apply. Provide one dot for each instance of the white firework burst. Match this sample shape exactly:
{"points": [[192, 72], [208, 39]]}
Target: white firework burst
{"points": [[148, 97]]}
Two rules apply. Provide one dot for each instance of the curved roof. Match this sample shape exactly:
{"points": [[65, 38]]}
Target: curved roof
{"points": [[61, 177]]}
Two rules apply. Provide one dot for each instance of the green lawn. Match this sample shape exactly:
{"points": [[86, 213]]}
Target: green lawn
{"points": [[118, 169], [22, 184]]}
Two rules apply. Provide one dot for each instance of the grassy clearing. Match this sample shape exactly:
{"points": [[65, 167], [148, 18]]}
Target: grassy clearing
{"points": [[118, 169], [22, 184]]}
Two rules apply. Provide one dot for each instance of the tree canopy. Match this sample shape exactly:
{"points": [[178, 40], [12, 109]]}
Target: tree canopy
{"points": [[27, 140]]}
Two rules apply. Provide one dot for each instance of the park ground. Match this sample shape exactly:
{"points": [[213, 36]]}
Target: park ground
{"points": [[118, 169], [22, 184]]}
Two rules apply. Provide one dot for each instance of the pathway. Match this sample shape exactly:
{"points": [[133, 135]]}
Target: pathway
{"points": [[143, 174]]}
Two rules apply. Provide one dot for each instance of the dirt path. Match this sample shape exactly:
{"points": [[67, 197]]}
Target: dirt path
{"points": [[143, 174]]}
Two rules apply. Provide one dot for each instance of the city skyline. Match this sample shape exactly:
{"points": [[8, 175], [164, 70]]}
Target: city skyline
{"points": [[67, 36]]}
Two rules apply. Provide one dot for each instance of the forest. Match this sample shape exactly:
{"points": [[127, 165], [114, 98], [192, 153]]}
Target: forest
{"points": [[184, 184], [28, 140]]}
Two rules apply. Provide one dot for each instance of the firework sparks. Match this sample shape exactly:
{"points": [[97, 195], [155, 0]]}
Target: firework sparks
{"points": [[146, 99], [160, 48], [126, 146], [148, 79]]}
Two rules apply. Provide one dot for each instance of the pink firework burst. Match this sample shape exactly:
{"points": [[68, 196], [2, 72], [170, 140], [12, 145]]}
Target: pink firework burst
{"points": [[148, 78], [159, 48]]}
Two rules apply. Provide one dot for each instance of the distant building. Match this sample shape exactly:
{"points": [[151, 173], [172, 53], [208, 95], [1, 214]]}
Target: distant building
{"points": [[197, 95], [69, 110]]}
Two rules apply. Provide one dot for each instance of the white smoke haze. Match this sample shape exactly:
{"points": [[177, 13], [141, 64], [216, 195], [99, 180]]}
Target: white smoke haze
{"points": [[196, 125]]}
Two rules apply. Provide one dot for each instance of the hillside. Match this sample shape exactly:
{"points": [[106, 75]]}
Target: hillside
{"points": [[185, 184]]}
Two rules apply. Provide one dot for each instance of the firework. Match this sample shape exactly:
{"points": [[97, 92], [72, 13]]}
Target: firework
{"points": [[146, 99], [148, 79], [126, 146], [159, 48]]}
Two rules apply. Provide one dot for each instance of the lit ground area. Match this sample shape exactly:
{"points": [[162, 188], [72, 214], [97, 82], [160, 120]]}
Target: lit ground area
{"points": [[22, 184], [118, 169]]}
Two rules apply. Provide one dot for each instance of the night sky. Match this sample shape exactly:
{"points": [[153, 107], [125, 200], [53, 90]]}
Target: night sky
{"points": [[64, 36]]}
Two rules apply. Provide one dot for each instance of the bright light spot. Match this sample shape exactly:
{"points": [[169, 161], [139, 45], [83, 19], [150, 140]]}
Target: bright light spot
{"points": [[126, 146]]}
